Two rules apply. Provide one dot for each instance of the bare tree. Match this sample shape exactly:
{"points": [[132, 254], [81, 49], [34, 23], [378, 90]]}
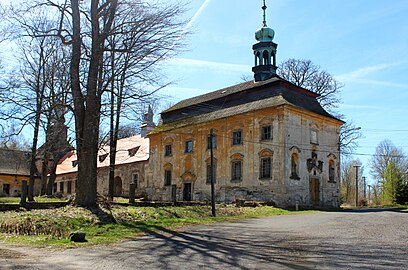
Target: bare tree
{"points": [[388, 165], [86, 27], [32, 95], [348, 180], [142, 36], [17, 103], [11, 139], [306, 74]]}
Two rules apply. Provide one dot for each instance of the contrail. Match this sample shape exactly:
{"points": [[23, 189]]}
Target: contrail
{"points": [[197, 14]]}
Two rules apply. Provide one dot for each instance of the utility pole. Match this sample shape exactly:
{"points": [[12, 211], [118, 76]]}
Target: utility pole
{"points": [[356, 166], [369, 196], [365, 188], [212, 172]]}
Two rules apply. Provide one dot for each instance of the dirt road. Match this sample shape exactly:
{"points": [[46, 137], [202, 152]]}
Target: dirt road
{"points": [[370, 239]]}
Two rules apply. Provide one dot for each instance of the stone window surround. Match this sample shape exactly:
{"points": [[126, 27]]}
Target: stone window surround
{"points": [[264, 155], [168, 171], [135, 179], [168, 150], [188, 146], [332, 168], [214, 142], [237, 137], [266, 132], [294, 157], [236, 170]]}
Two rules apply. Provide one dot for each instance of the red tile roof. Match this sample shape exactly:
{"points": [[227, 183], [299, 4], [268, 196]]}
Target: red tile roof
{"points": [[129, 150]]}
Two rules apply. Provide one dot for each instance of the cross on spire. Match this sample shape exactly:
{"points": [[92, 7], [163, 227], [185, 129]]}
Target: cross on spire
{"points": [[264, 13]]}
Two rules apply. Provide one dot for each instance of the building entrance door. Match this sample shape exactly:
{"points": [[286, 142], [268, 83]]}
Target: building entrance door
{"points": [[314, 186], [6, 189], [187, 192], [118, 187]]}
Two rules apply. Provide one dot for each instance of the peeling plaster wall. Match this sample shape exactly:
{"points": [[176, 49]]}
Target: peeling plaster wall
{"points": [[290, 127]]}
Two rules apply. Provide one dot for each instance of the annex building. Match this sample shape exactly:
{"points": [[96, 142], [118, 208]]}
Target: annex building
{"points": [[132, 156], [14, 169], [272, 142]]}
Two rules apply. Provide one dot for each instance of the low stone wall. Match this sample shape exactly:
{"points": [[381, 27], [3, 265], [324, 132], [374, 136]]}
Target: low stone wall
{"points": [[33, 205], [162, 204]]}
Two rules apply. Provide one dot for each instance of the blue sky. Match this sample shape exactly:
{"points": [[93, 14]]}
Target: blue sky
{"points": [[363, 43]]}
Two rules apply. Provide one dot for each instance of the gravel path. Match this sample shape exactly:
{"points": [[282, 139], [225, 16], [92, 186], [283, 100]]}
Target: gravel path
{"points": [[370, 239]]}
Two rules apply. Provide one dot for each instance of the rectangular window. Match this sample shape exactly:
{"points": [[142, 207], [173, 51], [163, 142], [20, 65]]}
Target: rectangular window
{"points": [[61, 187], [209, 173], [167, 150], [135, 179], [69, 187], [266, 133], [266, 168], [55, 187], [237, 137], [236, 167], [313, 137], [167, 177], [214, 141], [331, 175], [6, 189], [188, 147]]}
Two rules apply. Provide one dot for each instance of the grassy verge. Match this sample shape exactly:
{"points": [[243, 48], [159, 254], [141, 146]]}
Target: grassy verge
{"points": [[16, 200], [102, 226]]}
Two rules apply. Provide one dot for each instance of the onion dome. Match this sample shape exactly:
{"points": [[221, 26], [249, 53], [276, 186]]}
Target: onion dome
{"points": [[265, 34]]}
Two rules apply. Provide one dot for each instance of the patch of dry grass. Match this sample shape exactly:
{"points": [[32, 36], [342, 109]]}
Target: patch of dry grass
{"points": [[53, 226]]}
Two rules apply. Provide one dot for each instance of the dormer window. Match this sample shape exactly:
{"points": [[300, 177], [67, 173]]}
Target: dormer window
{"points": [[133, 151], [74, 163], [103, 157]]}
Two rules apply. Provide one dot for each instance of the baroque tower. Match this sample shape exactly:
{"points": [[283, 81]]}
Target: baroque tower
{"points": [[148, 124], [264, 51]]}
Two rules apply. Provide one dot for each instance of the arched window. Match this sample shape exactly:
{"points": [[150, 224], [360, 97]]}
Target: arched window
{"points": [[332, 171], [236, 167], [168, 168], [266, 58], [294, 165], [265, 166], [258, 59], [274, 58]]}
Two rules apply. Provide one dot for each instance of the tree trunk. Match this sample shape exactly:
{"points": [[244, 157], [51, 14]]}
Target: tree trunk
{"points": [[87, 109], [44, 173]]}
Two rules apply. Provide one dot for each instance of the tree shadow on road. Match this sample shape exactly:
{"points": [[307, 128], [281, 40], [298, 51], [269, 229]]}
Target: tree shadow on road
{"points": [[376, 210], [216, 250]]}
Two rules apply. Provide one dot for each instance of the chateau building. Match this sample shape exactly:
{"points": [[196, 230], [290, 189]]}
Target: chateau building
{"points": [[272, 142]]}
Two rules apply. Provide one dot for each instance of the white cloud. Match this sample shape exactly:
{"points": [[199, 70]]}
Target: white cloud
{"points": [[378, 83], [359, 76], [362, 72], [198, 13]]}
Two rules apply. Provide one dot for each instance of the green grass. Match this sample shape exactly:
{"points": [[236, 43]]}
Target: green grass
{"points": [[16, 200], [53, 226]]}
